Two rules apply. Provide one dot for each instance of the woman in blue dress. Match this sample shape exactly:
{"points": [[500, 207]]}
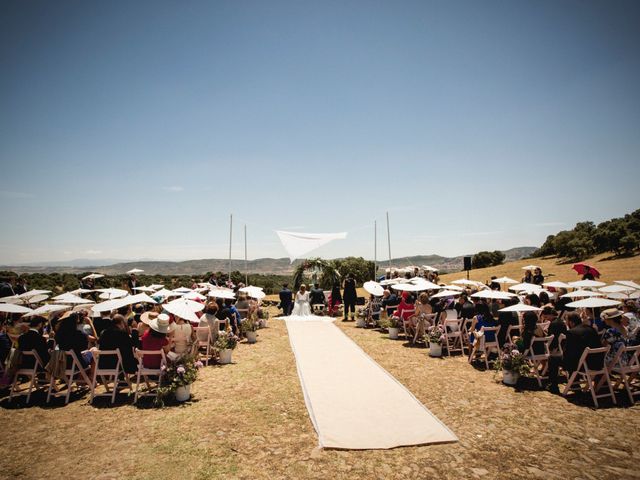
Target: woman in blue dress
{"points": [[483, 318]]}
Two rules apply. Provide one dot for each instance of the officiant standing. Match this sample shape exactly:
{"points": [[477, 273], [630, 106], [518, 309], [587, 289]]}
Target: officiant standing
{"points": [[349, 297]]}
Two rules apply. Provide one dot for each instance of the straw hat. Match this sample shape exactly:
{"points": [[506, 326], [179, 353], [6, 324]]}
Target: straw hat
{"points": [[611, 313], [146, 317], [160, 323]]}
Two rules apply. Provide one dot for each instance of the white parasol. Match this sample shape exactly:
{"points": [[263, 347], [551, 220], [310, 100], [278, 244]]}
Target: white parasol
{"points": [[504, 280], [408, 287], [582, 294], [166, 293], [194, 296], [526, 287], [374, 288], [92, 276], [593, 302], [446, 293], [48, 308], [557, 284], [144, 289], [628, 283], [182, 290], [587, 284], [617, 289], [80, 291], [471, 283], [430, 269], [135, 270], [112, 293], [72, 299], [156, 286], [453, 287], [425, 284], [530, 267], [221, 292], [13, 308], [184, 308], [392, 281], [493, 294], [520, 307]]}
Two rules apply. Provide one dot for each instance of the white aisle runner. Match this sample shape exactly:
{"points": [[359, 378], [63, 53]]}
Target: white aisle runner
{"points": [[352, 401]]}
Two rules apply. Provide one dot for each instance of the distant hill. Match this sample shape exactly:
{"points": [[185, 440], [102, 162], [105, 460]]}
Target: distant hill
{"points": [[278, 266]]}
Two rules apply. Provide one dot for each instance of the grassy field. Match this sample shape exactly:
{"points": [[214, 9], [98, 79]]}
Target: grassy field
{"points": [[248, 420]]}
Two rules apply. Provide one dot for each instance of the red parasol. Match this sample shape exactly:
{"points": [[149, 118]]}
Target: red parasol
{"points": [[581, 268]]}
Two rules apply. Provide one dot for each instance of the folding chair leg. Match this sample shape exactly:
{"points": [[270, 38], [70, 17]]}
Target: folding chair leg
{"points": [[572, 379], [33, 379]]}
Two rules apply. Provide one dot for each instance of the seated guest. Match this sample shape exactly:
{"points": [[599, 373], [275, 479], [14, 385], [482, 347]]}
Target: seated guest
{"points": [[528, 277], [537, 278], [505, 320], [483, 318], [182, 335], [530, 330], [243, 304], [233, 315], [406, 307], [32, 339], [154, 339], [209, 320], [69, 337], [630, 319], [316, 295], [423, 315], [580, 335], [544, 298], [533, 300], [616, 335], [465, 308], [335, 299], [115, 337], [102, 322], [556, 325], [389, 301]]}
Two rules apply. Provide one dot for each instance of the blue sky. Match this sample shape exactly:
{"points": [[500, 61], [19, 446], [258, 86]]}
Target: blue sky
{"points": [[133, 129]]}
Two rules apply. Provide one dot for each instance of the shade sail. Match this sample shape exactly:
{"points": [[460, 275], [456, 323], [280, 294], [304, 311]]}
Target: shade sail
{"points": [[298, 245]]}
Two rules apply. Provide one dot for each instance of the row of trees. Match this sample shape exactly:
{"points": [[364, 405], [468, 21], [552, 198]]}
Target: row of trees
{"points": [[487, 259], [621, 236]]}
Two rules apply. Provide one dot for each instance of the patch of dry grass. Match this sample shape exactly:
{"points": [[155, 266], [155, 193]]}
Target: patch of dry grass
{"points": [[248, 420]]}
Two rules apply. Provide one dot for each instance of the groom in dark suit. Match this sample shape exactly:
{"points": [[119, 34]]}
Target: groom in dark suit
{"points": [[286, 300]]}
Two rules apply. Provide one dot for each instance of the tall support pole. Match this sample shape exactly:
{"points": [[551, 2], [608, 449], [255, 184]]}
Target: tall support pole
{"points": [[230, 239], [389, 239], [375, 248], [246, 267]]}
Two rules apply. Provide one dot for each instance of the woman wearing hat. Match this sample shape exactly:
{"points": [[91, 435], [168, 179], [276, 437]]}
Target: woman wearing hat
{"points": [[155, 338], [616, 335]]}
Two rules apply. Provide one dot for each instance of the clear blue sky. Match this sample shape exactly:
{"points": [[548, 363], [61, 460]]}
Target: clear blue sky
{"points": [[133, 129]]}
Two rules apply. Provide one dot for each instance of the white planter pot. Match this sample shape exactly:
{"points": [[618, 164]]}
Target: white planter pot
{"points": [[361, 322], [393, 333], [252, 337], [225, 356], [435, 349], [509, 377], [183, 393]]}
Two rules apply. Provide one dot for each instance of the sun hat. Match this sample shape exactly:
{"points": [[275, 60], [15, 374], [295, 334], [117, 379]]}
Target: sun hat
{"points": [[611, 313], [146, 317], [160, 323]]}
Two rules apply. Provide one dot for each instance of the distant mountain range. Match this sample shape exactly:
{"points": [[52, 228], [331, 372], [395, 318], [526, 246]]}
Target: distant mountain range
{"points": [[278, 266]]}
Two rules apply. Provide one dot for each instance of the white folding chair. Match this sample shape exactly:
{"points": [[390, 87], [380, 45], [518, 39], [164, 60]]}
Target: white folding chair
{"points": [[453, 335], [539, 361], [149, 375], [544, 326], [512, 331], [625, 368], [486, 346], [407, 314], [35, 375], [203, 341], [318, 308], [585, 374], [114, 374], [74, 374]]}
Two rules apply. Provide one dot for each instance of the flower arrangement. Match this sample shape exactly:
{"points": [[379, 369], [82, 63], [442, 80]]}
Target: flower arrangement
{"points": [[435, 334], [250, 324], [512, 360], [226, 340], [390, 322], [178, 373]]}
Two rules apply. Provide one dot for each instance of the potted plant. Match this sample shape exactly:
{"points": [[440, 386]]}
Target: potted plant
{"points": [[225, 344], [250, 328], [435, 337], [361, 318], [513, 365], [177, 378], [393, 325]]}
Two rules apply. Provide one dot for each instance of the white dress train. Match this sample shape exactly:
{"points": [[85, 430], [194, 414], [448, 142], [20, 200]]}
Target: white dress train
{"points": [[301, 307]]}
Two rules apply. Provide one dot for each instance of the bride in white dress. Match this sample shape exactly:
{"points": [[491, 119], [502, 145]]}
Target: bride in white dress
{"points": [[301, 306]]}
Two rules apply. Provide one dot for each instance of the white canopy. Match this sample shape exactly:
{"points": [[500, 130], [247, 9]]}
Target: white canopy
{"points": [[374, 288], [135, 270], [183, 308], [627, 283], [446, 293], [582, 294], [493, 294], [520, 307], [13, 308], [587, 284], [557, 284], [299, 244], [48, 308], [92, 276]]}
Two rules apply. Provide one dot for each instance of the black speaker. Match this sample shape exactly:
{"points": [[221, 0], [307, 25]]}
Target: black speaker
{"points": [[467, 263]]}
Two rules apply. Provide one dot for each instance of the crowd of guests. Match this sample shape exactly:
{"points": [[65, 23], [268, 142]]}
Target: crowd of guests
{"points": [[579, 328], [141, 326]]}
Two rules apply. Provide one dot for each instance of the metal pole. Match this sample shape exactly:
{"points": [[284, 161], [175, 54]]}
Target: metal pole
{"points": [[230, 238], [389, 239], [246, 267], [375, 249]]}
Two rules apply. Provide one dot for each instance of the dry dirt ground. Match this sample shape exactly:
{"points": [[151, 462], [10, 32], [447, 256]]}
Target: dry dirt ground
{"points": [[248, 420]]}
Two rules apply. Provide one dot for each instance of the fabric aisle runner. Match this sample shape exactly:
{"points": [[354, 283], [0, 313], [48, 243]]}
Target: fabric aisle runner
{"points": [[352, 401]]}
